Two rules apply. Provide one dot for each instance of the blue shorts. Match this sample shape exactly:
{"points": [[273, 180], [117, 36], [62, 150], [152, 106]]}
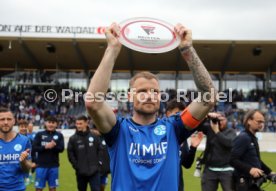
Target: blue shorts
{"points": [[104, 180], [46, 174]]}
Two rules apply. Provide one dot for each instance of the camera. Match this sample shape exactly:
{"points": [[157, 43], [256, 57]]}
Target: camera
{"points": [[215, 120], [197, 172], [272, 178], [258, 182]]}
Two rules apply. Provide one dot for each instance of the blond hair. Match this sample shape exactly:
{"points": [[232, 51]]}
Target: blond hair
{"points": [[147, 75]]}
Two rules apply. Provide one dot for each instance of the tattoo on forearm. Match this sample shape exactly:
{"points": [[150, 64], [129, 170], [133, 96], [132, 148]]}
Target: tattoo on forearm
{"points": [[201, 76]]}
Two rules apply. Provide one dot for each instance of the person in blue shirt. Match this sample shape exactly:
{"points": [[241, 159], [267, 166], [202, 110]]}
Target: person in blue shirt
{"points": [[23, 130], [31, 134], [144, 149], [15, 159]]}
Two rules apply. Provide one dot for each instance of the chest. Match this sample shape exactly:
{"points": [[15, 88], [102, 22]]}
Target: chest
{"points": [[10, 152]]}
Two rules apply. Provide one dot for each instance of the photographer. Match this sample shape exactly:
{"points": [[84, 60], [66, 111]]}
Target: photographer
{"points": [[217, 154], [245, 157]]}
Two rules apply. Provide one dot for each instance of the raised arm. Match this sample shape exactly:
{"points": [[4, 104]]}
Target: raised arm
{"points": [[101, 113], [199, 107]]}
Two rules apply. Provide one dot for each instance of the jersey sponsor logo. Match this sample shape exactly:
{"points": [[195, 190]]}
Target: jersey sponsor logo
{"points": [[9, 157], [153, 149], [55, 137], [17, 147], [44, 137], [160, 130], [43, 143]]}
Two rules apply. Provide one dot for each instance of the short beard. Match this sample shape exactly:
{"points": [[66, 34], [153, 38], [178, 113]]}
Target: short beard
{"points": [[141, 112], [6, 132]]}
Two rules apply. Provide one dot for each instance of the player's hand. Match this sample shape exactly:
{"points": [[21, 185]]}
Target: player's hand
{"points": [[112, 34], [185, 35], [50, 145], [24, 155], [196, 139], [256, 172], [34, 165]]}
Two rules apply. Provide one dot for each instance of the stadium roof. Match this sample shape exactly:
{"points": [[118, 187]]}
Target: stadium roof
{"points": [[85, 54]]}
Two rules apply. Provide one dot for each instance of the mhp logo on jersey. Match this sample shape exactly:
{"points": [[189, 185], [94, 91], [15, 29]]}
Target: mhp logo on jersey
{"points": [[160, 130]]}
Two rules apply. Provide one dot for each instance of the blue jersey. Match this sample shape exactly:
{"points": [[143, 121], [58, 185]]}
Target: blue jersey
{"points": [[11, 174], [31, 136], [146, 158]]}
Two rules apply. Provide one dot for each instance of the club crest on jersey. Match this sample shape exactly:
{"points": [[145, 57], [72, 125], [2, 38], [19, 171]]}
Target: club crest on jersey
{"points": [[17, 147], [55, 137], [160, 130], [103, 142], [90, 139]]}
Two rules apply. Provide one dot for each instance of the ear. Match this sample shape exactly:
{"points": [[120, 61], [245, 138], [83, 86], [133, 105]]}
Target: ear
{"points": [[249, 122], [130, 96]]}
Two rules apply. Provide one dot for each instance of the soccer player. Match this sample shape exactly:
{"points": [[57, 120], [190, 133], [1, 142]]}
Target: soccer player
{"points": [[144, 150], [31, 134], [23, 127], [23, 130], [187, 154], [14, 154], [49, 144]]}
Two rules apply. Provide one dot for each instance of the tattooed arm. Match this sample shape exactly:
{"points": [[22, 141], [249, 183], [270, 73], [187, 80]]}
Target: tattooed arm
{"points": [[101, 113], [207, 93]]}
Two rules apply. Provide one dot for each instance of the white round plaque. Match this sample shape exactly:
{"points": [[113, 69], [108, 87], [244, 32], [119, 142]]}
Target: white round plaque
{"points": [[148, 35]]}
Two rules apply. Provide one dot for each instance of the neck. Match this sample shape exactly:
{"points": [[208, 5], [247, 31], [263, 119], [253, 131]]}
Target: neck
{"points": [[252, 131], [143, 119], [7, 136]]}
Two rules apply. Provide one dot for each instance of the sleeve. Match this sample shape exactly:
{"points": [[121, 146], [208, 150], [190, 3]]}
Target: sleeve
{"points": [[240, 145], [59, 144], [187, 155], [265, 168], [37, 147], [182, 133], [29, 146], [188, 119], [99, 147], [226, 139], [204, 126], [71, 153], [111, 137]]}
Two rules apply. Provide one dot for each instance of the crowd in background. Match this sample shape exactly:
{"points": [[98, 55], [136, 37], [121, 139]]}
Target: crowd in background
{"points": [[29, 103]]}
